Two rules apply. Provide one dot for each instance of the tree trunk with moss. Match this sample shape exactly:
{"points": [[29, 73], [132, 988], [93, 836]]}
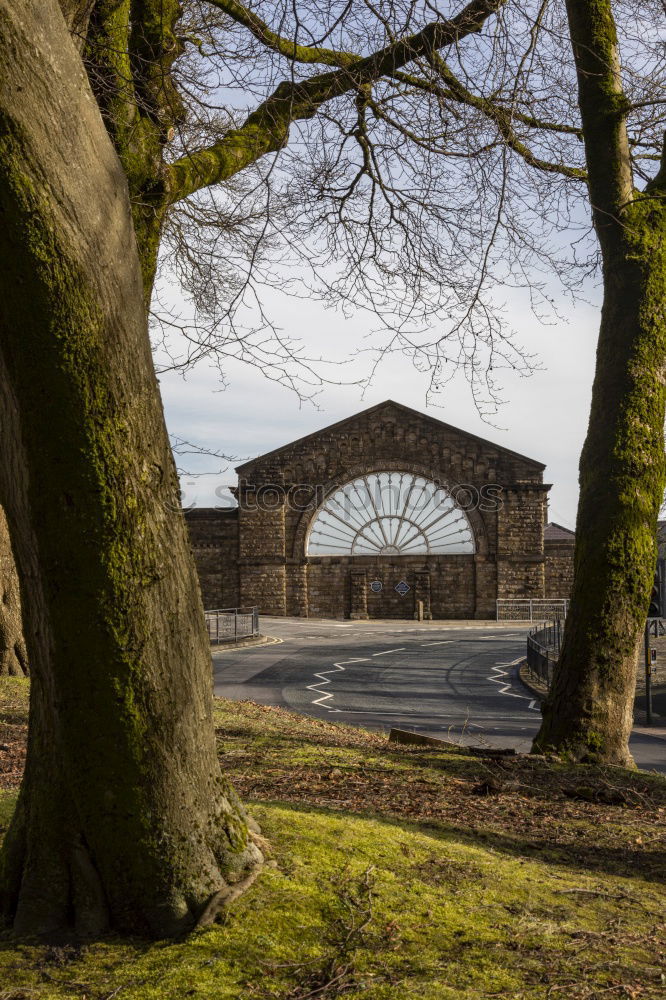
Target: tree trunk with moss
{"points": [[589, 709], [124, 819]]}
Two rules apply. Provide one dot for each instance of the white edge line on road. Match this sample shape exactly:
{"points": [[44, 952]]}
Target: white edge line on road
{"points": [[441, 642], [400, 649]]}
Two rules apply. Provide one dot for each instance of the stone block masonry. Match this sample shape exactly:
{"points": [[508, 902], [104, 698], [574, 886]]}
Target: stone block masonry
{"points": [[559, 552]]}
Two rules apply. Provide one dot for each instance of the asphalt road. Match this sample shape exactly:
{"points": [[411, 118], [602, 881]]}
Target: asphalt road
{"points": [[455, 681]]}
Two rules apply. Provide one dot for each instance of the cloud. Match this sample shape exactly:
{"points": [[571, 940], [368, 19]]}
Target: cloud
{"points": [[545, 416]]}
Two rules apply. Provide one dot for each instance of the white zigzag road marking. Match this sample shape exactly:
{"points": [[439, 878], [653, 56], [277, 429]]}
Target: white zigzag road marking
{"points": [[325, 680], [504, 686]]}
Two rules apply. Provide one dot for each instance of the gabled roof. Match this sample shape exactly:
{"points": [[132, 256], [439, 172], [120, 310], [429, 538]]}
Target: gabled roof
{"points": [[390, 403], [558, 533]]}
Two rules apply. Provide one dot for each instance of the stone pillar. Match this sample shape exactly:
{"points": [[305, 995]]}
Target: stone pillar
{"points": [[297, 589], [485, 585], [520, 558], [422, 593], [262, 550], [359, 594]]}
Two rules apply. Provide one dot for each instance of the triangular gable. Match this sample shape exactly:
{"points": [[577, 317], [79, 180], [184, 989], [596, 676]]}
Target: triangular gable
{"points": [[387, 405]]}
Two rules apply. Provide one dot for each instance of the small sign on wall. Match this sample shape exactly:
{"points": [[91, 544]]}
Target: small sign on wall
{"points": [[376, 586], [402, 588]]}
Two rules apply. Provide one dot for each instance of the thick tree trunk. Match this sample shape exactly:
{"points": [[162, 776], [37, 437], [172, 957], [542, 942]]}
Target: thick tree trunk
{"points": [[124, 819], [588, 712], [13, 655]]}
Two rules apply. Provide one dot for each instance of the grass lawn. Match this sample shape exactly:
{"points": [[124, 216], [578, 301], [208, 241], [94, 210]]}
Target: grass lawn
{"points": [[395, 873]]}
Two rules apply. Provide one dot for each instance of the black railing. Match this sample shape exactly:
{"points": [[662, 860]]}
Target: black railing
{"points": [[543, 649], [545, 643], [231, 624]]}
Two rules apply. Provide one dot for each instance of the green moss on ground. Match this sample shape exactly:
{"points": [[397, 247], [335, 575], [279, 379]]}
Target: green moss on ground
{"points": [[399, 873]]}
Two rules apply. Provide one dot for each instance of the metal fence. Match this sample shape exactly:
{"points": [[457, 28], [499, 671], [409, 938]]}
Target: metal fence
{"points": [[543, 649], [545, 643], [230, 624], [527, 610]]}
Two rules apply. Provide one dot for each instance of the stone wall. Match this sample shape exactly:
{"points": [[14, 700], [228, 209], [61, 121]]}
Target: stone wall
{"points": [[214, 539], [559, 567], [339, 587]]}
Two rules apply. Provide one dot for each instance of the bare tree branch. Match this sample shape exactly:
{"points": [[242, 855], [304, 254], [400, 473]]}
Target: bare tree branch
{"points": [[285, 46], [267, 128]]}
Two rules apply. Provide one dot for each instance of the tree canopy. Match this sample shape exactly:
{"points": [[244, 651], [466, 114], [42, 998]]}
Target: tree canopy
{"points": [[402, 156]]}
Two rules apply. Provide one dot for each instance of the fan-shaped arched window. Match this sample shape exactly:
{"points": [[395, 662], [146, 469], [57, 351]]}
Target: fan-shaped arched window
{"points": [[390, 514]]}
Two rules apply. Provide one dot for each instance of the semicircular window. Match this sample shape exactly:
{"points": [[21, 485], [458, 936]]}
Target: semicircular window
{"points": [[390, 514]]}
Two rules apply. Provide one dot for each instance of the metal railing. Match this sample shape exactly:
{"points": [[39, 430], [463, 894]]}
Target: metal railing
{"points": [[544, 645], [531, 610], [543, 650], [230, 624]]}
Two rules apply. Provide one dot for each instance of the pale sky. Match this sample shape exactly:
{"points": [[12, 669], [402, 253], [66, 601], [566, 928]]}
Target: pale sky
{"points": [[544, 416]]}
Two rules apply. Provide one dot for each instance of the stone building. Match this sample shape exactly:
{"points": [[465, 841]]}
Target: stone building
{"points": [[376, 513]]}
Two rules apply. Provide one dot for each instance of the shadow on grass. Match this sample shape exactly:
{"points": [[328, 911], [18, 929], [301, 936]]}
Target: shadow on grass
{"points": [[583, 859], [549, 777], [13, 719]]}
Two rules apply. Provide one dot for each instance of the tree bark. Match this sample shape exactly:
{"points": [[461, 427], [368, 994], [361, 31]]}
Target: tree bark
{"points": [[13, 654], [124, 819], [589, 710]]}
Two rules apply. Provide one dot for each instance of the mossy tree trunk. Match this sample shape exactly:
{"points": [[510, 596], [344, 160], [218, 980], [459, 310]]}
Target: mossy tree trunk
{"points": [[129, 51], [124, 819], [589, 709]]}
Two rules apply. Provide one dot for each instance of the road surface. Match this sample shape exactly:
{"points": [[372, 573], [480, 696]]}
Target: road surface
{"points": [[457, 681]]}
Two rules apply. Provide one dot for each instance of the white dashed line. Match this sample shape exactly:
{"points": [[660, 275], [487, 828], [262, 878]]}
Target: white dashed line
{"points": [[441, 642], [401, 649]]}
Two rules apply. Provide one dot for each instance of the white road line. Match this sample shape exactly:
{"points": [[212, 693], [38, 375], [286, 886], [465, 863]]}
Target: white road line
{"points": [[323, 625], [504, 686], [441, 642], [496, 637], [400, 649], [324, 680]]}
